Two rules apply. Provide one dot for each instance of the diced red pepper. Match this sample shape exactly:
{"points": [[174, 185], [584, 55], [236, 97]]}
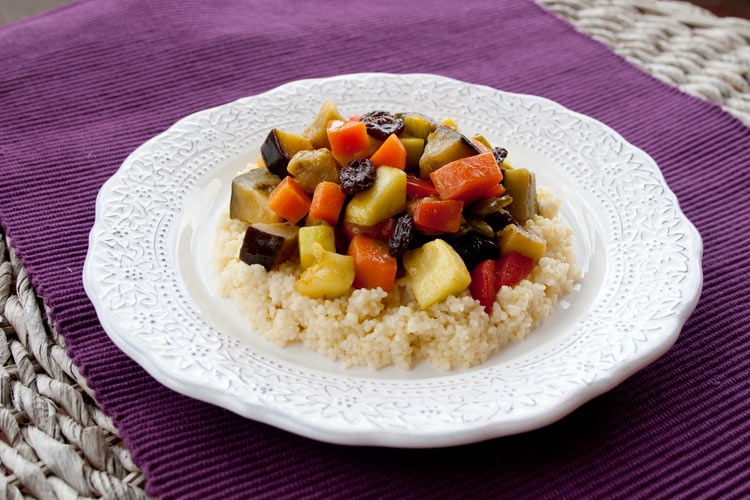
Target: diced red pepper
{"points": [[467, 179], [419, 188], [440, 216], [511, 269], [482, 285], [347, 138], [382, 231], [373, 266]]}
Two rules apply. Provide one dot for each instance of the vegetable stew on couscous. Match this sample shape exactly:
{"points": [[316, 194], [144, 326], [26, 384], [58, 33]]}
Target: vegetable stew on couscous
{"points": [[387, 238]]}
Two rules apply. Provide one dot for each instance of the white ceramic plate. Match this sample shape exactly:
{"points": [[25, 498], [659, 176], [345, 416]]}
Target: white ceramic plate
{"points": [[148, 274]]}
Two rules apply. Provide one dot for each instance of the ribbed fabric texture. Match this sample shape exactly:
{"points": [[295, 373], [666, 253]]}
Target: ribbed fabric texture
{"points": [[81, 87]]}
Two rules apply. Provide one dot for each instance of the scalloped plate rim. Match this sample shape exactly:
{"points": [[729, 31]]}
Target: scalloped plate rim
{"points": [[400, 438]]}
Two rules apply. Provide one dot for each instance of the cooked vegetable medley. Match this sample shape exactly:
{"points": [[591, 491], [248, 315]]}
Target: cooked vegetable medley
{"points": [[365, 200]]}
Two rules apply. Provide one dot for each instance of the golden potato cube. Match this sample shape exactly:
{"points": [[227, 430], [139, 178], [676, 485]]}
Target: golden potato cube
{"points": [[435, 271], [384, 199]]}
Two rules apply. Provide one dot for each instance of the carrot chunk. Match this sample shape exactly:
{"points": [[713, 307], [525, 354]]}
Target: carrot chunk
{"points": [[479, 144], [373, 265], [391, 153], [348, 139], [289, 201], [441, 216], [495, 191], [467, 179], [327, 201]]}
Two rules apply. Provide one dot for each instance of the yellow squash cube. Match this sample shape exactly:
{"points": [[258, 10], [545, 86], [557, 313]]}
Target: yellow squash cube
{"points": [[310, 235]]}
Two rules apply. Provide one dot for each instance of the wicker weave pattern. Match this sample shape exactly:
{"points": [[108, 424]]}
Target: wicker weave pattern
{"points": [[57, 443], [676, 42]]}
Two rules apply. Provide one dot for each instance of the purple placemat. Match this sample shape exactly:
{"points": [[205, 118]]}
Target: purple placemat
{"points": [[82, 87]]}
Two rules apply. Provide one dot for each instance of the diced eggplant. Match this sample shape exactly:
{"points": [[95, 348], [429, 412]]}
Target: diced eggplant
{"points": [[279, 147], [316, 131], [444, 145], [520, 184], [249, 200], [417, 125], [269, 244], [310, 168]]}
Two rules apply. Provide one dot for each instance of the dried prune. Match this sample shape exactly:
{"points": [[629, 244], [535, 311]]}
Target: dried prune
{"points": [[402, 235], [498, 220], [357, 176], [381, 124], [500, 155], [474, 248]]}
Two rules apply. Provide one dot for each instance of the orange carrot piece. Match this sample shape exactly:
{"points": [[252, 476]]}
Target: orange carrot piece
{"points": [[327, 201], [467, 179], [347, 138], [495, 191], [392, 154], [373, 265], [482, 147], [289, 201]]}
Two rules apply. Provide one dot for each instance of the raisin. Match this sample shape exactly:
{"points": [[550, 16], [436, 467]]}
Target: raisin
{"points": [[381, 124], [475, 248], [402, 235], [357, 176], [500, 155]]}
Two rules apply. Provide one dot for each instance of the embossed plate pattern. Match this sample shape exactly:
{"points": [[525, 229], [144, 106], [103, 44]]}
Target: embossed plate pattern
{"points": [[146, 272]]}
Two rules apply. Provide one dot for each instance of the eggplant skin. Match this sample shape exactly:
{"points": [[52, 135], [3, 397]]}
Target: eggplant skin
{"points": [[273, 156], [259, 247]]}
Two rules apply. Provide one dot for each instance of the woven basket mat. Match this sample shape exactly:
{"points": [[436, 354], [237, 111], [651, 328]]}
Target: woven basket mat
{"points": [[54, 439]]}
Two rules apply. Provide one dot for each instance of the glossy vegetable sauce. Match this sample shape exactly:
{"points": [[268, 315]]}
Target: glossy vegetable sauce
{"points": [[394, 222], [382, 194]]}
